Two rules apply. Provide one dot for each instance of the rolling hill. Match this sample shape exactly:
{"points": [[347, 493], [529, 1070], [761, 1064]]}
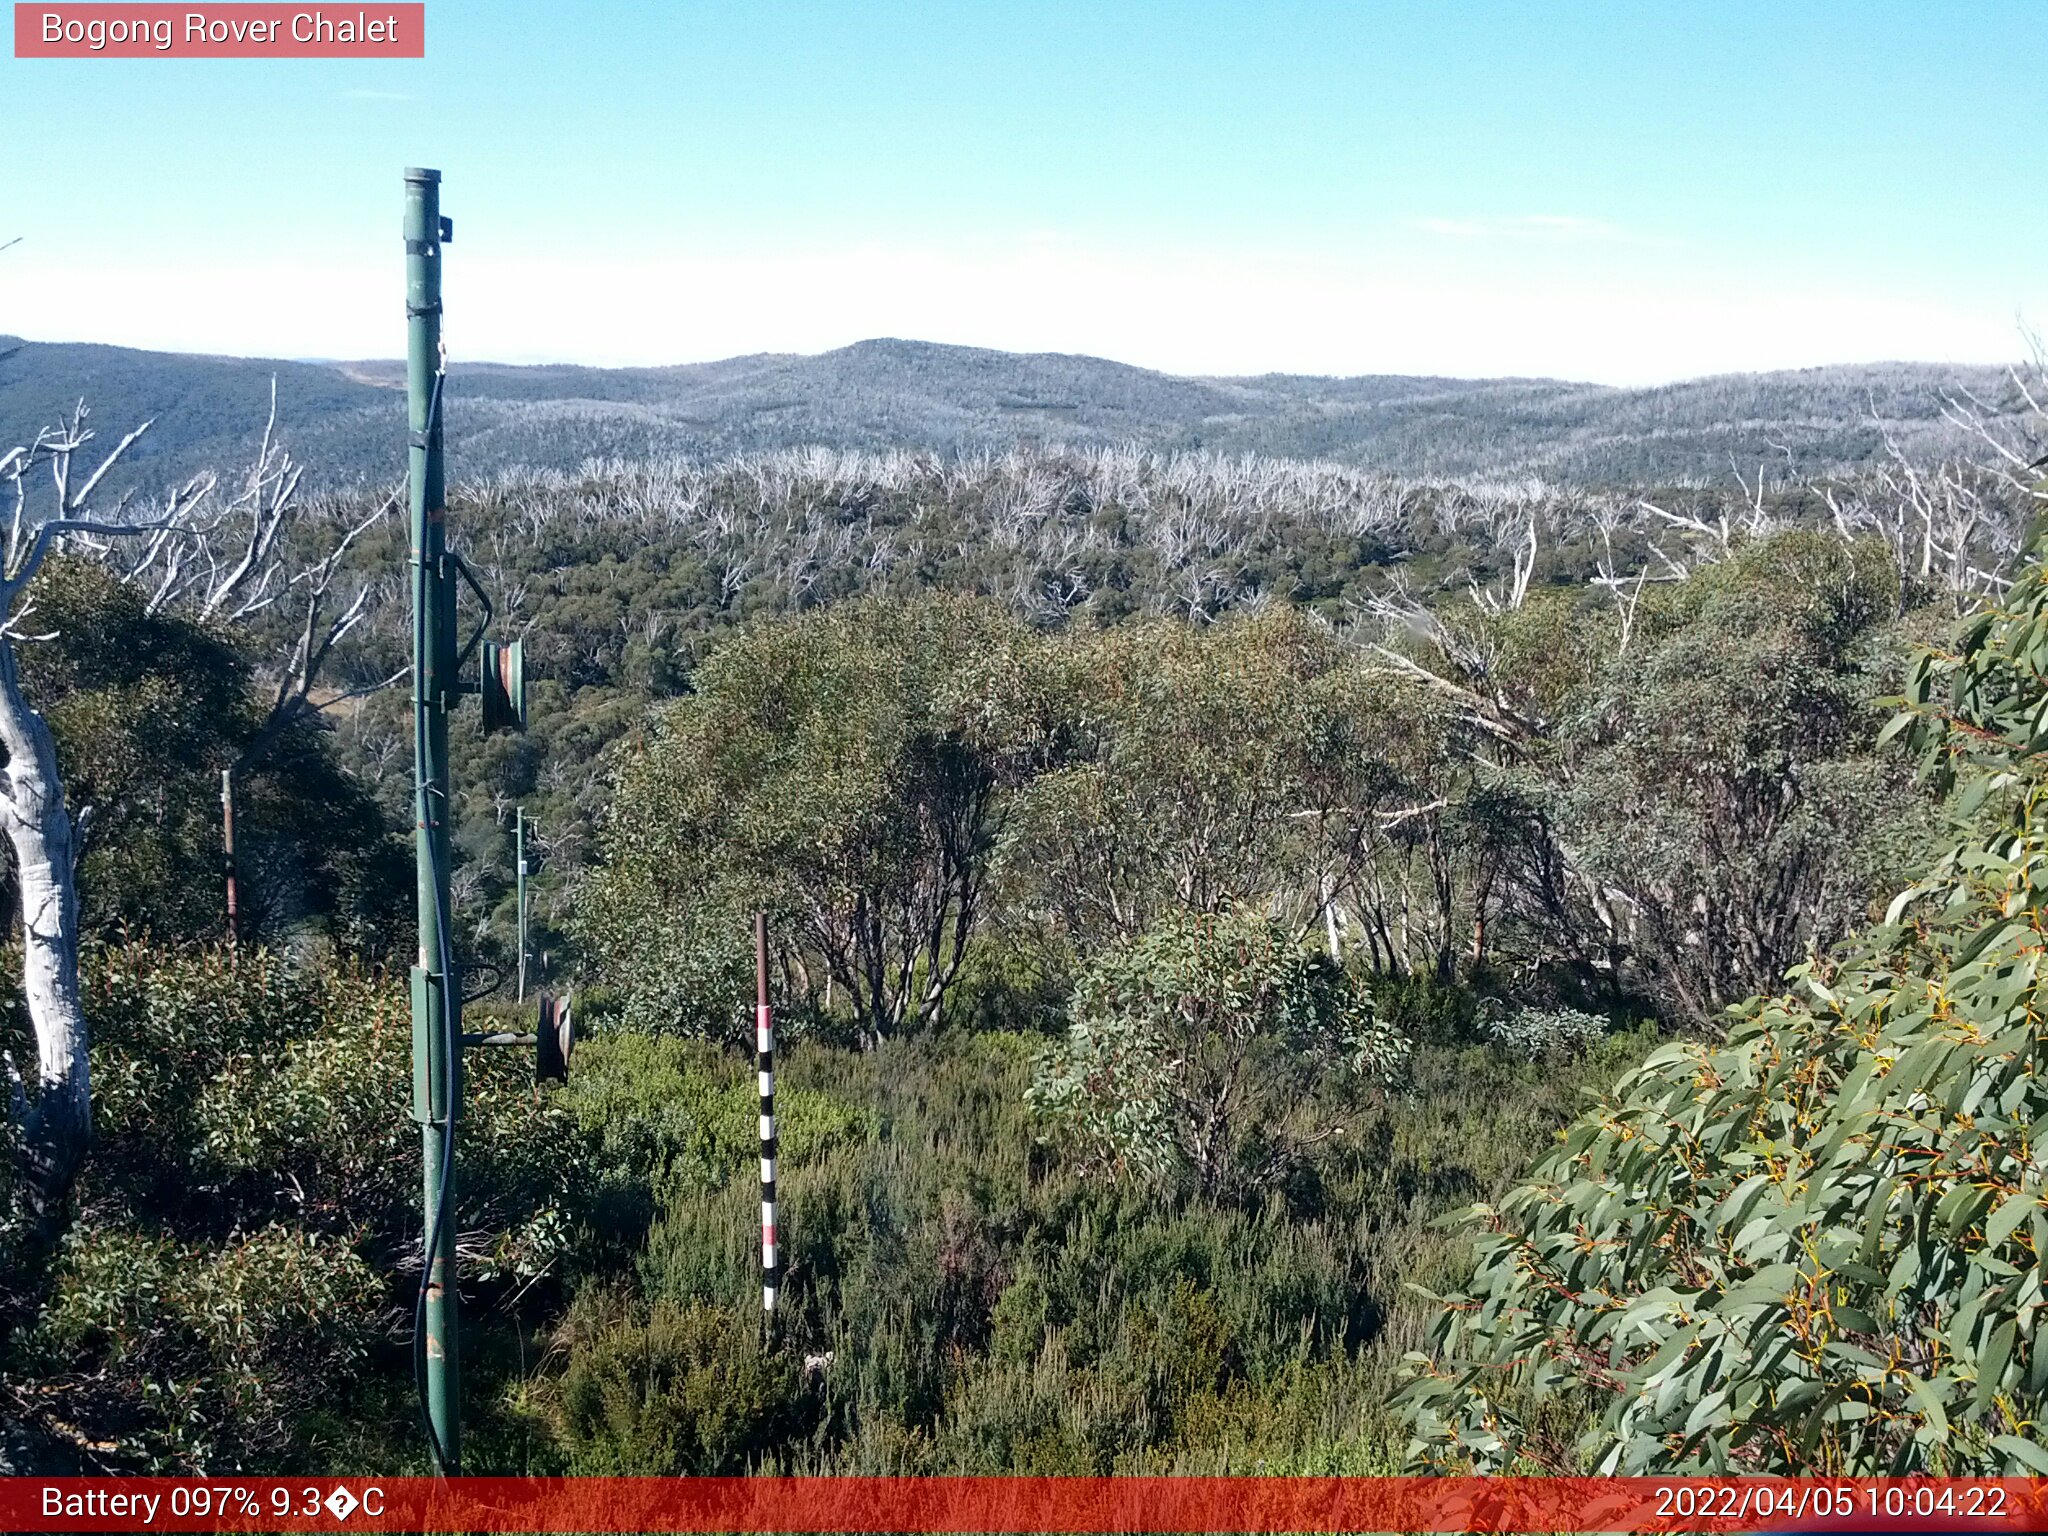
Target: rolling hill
{"points": [[345, 419]]}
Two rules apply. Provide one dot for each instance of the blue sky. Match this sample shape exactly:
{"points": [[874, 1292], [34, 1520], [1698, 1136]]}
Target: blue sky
{"points": [[1626, 192]]}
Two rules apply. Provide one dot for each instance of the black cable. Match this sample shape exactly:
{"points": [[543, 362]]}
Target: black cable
{"points": [[451, 1047], [451, 1051]]}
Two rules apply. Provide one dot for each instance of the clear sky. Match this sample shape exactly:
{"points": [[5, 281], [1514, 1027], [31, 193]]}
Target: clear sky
{"points": [[1625, 192]]}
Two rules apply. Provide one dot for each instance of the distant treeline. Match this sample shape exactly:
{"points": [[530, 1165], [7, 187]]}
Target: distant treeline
{"points": [[624, 576]]}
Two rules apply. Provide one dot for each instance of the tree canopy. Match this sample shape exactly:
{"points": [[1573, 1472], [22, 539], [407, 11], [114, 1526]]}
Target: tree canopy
{"points": [[1816, 1244]]}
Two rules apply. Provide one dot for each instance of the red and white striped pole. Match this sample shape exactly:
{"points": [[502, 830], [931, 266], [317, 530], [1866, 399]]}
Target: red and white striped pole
{"points": [[764, 1061]]}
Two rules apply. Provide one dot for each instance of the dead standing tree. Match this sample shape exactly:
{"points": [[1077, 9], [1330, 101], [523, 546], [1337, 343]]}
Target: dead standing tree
{"points": [[54, 1127], [232, 558]]}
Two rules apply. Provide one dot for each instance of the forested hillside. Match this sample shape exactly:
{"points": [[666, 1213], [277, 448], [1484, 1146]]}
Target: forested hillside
{"points": [[886, 394], [1190, 878]]}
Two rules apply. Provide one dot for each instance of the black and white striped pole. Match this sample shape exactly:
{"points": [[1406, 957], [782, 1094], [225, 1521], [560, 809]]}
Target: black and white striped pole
{"points": [[764, 1061]]}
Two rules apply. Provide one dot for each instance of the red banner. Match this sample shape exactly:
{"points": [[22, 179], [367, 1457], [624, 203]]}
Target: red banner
{"points": [[1024, 1504], [115, 31]]}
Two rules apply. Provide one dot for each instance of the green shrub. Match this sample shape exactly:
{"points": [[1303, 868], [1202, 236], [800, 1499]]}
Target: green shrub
{"points": [[250, 1207], [674, 1112], [1427, 1010], [681, 969], [1196, 1050], [1538, 1032], [675, 1391], [1004, 985], [960, 1299], [1717, 777], [146, 709], [209, 1353], [839, 768]]}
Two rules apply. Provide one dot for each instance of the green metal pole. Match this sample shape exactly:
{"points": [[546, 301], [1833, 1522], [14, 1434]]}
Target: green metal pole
{"points": [[436, 996], [521, 825]]}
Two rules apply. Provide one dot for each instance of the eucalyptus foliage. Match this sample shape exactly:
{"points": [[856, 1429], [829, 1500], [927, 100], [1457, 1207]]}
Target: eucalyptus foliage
{"points": [[840, 770], [1253, 761], [1817, 1245], [1542, 1032], [1194, 1053], [1714, 779], [147, 709]]}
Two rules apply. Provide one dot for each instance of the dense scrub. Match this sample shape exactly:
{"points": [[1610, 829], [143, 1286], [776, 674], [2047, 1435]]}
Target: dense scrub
{"points": [[246, 1233], [625, 577], [961, 1296], [1664, 815], [147, 709]]}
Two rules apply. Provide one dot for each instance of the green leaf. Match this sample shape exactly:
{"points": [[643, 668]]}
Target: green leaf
{"points": [[2029, 1455], [1856, 1320], [1991, 1365], [2012, 1210], [1929, 1401], [1983, 940]]}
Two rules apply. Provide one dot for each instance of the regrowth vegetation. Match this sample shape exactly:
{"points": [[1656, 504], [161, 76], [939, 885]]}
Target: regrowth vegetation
{"points": [[1189, 879], [1817, 1242]]}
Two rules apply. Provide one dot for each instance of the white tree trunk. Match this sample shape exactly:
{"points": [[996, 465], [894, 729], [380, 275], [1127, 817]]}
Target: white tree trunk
{"points": [[56, 1126], [58, 1123]]}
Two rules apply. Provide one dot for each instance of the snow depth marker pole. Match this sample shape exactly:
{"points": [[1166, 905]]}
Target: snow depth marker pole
{"points": [[227, 844], [764, 1061], [520, 836]]}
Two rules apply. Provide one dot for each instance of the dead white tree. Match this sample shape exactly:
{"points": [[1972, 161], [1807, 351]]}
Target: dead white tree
{"points": [[54, 1127], [1512, 591], [227, 556], [1957, 523], [1627, 591], [1469, 669], [2010, 438]]}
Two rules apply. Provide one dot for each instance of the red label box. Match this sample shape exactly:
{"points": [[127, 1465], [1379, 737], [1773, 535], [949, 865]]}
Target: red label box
{"points": [[368, 29], [1034, 1506]]}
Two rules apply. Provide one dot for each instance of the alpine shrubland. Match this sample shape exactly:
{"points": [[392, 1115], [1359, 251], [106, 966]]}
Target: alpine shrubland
{"points": [[1191, 881]]}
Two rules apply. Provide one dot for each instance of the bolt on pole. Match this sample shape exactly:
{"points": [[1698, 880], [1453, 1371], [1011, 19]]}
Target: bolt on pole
{"points": [[436, 995]]}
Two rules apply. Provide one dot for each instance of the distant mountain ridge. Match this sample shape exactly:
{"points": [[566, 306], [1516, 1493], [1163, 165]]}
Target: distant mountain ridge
{"points": [[345, 419]]}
